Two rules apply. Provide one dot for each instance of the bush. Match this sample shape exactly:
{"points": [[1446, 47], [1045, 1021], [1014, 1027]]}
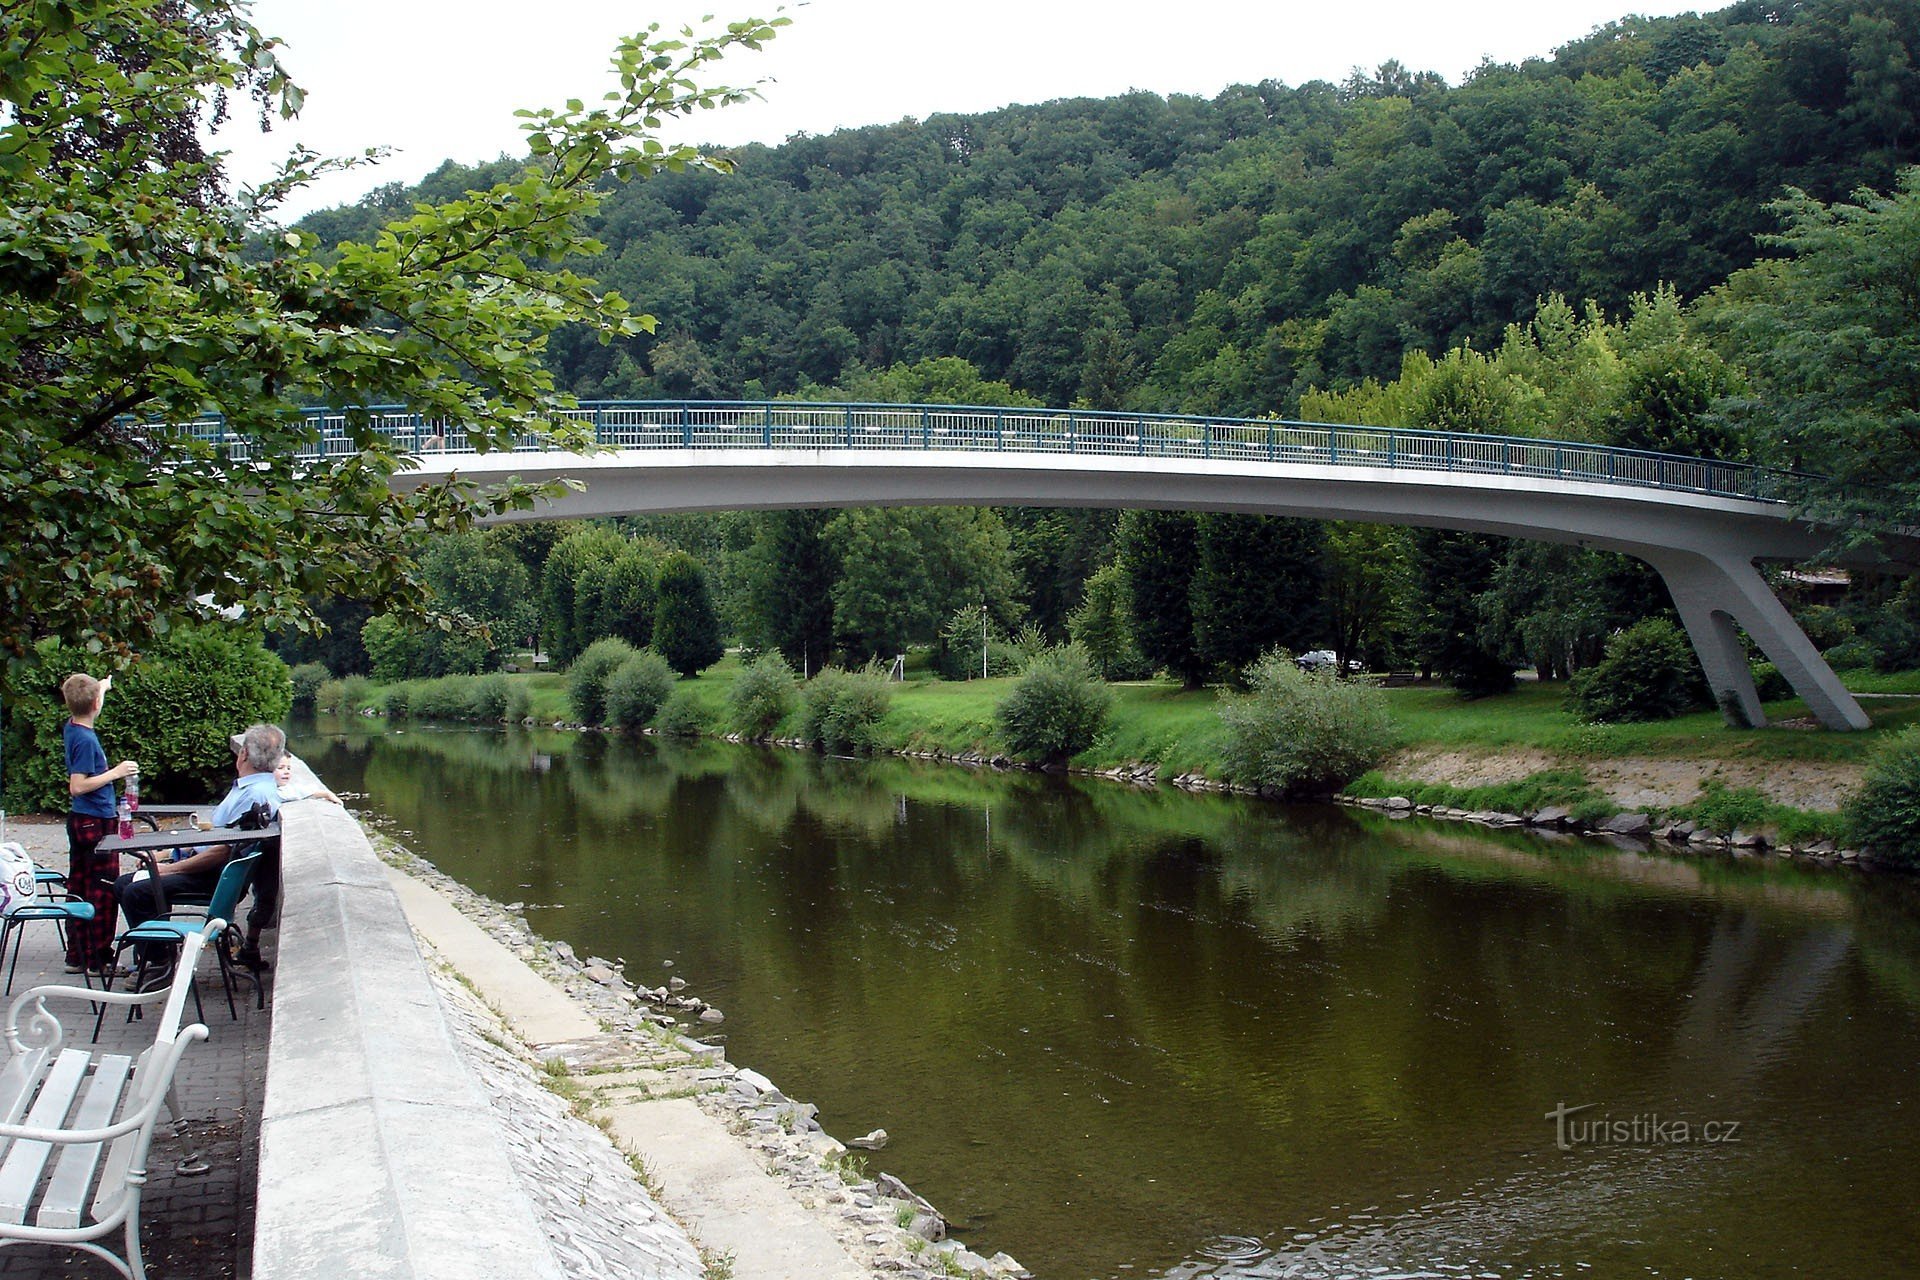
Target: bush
{"points": [[1056, 709], [681, 714], [587, 679], [305, 681], [1853, 654], [1307, 733], [343, 697], [172, 710], [1769, 683], [638, 689], [488, 696], [394, 701], [1649, 673], [1723, 810], [762, 696], [840, 711], [1883, 817], [519, 701]]}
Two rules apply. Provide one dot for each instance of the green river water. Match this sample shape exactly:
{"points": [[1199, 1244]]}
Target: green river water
{"points": [[1139, 1033]]}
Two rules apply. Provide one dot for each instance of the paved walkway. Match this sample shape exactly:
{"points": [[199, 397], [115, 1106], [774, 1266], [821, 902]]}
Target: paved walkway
{"points": [[196, 1228]]}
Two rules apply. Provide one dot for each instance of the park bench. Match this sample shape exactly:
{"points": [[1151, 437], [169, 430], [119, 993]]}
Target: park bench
{"points": [[76, 1124]]}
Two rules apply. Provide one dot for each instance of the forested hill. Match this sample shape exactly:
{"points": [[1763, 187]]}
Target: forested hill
{"points": [[1226, 255]]}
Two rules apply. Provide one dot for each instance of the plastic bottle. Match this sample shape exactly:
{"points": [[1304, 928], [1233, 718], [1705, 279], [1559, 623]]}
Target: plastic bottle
{"points": [[133, 792], [126, 820]]}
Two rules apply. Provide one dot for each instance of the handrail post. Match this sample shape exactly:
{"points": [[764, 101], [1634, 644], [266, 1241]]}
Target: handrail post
{"points": [[1070, 448], [599, 424], [1393, 437], [1206, 440], [1140, 436], [766, 427], [926, 428], [849, 417], [686, 425], [1270, 454], [1000, 430], [1333, 448]]}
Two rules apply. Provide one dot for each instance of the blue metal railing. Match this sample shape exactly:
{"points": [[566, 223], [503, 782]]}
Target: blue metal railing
{"points": [[800, 425]]}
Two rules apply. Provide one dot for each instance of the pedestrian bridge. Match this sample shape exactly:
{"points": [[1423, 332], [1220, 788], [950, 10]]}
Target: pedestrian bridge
{"points": [[1701, 524]]}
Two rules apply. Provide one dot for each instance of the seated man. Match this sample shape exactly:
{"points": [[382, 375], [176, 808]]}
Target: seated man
{"points": [[255, 753]]}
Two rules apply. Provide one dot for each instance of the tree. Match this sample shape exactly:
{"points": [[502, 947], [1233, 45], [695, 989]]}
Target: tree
{"points": [[1256, 585], [906, 570], [686, 630], [1369, 590], [791, 570], [1103, 628], [560, 577], [1159, 552], [476, 579], [1831, 334], [1455, 568], [136, 300]]}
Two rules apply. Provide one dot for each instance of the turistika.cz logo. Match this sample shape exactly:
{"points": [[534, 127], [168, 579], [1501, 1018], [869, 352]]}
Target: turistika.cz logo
{"points": [[1634, 1131]]}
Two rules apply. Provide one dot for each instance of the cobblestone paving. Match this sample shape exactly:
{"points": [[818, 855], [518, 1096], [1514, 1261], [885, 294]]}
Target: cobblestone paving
{"points": [[196, 1228]]}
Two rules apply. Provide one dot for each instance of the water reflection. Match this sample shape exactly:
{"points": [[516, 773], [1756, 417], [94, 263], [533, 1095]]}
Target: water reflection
{"points": [[1128, 1032]]}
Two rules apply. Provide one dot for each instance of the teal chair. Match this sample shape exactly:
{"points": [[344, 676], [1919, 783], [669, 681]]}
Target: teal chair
{"points": [[172, 930], [62, 910]]}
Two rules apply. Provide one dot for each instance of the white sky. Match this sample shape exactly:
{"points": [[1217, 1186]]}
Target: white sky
{"points": [[438, 80]]}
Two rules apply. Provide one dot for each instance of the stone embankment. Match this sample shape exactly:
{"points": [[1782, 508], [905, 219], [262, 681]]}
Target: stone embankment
{"points": [[1638, 829], [559, 1098]]}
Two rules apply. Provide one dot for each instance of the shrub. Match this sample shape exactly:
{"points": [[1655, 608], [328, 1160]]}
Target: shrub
{"points": [[681, 714], [487, 697], [305, 681], [172, 710], [638, 689], [1769, 683], [343, 697], [587, 679], [1723, 810], [1649, 673], [762, 696], [1883, 817], [1307, 733], [840, 711], [1056, 709], [394, 701], [1852, 654], [519, 701]]}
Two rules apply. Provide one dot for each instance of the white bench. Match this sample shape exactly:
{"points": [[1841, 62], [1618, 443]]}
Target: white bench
{"points": [[75, 1123]]}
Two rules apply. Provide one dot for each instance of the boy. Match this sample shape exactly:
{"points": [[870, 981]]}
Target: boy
{"points": [[91, 815]]}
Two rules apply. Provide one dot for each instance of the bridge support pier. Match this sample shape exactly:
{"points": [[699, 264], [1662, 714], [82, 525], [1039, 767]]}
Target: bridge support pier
{"points": [[1714, 593]]}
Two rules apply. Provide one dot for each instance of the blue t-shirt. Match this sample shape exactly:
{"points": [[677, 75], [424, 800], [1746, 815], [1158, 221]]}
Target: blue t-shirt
{"points": [[84, 756], [248, 791]]}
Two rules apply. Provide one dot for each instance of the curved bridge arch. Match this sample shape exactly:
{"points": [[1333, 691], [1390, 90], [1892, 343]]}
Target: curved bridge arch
{"points": [[1701, 524]]}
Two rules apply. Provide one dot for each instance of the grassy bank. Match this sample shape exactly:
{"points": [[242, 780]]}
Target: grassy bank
{"points": [[1546, 753]]}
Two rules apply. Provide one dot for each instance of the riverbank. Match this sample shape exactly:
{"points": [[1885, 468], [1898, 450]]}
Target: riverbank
{"points": [[1516, 752], [605, 1082]]}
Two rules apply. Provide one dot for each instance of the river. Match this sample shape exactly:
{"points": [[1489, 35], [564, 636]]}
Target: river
{"points": [[1139, 1033]]}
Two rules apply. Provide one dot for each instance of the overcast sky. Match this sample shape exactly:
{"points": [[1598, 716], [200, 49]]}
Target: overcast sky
{"points": [[438, 80]]}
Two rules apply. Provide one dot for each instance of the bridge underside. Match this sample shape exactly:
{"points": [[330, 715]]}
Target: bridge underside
{"points": [[1704, 547]]}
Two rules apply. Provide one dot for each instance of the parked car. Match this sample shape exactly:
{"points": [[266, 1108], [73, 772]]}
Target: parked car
{"points": [[1324, 660]]}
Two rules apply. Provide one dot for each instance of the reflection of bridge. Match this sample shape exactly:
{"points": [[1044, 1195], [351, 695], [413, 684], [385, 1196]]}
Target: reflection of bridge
{"points": [[1701, 524]]}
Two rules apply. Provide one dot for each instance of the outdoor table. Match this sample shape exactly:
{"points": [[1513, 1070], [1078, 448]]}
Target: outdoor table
{"points": [[144, 846]]}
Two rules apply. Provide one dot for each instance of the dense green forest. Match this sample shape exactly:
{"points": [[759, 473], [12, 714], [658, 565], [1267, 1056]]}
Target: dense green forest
{"points": [[1633, 240]]}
